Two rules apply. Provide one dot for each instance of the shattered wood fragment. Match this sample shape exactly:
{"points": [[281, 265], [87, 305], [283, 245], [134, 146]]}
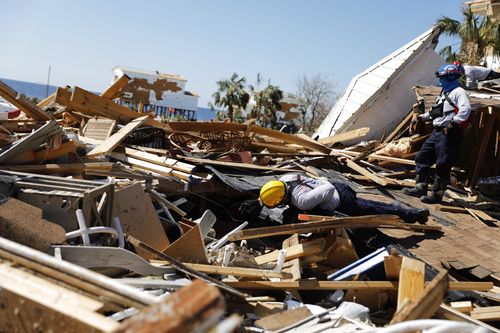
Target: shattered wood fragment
{"points": [[72, 168], [183, 268], [189, 247], [113, 91], [346, 136], [427, 303], [29, 108], [194, 308], [292, 252], [237, 271], [411, 281], [113, 141]]}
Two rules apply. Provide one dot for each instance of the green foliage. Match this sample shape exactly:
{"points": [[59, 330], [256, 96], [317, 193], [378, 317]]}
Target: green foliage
{"points": [[231, 94], [479, 36], [267, 102]]}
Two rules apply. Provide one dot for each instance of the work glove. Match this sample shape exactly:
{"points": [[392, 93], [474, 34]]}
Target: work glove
{"points": [[448, 128]]}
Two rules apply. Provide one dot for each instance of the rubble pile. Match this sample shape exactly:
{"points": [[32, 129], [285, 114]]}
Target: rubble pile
{"points": [[112, 221]]}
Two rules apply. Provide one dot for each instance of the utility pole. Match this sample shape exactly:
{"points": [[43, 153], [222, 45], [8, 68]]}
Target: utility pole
{"points": [[48, 82]]}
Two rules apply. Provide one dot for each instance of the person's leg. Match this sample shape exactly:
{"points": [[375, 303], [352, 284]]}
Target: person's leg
{"points": [[351, 205], [423, 161], [447, 150], [492, 75]]}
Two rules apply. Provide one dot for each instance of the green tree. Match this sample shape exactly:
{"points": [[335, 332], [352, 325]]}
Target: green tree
{"points": [[479, 36], [267, 102], [231, 94]]}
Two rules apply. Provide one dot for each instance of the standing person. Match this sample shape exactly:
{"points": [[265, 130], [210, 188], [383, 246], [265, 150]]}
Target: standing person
{"points": [[450, 114], [474, 74], [307, 193]]}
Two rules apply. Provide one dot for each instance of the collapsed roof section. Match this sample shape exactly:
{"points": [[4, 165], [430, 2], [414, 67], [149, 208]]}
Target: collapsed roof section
{"points": [[381, 96]]}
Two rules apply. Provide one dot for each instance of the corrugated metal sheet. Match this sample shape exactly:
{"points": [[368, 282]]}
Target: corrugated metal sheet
{"points": [[384, 89]]}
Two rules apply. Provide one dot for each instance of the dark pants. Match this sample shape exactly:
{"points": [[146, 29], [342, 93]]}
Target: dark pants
{"points": [[441, 149], [351, 205], [492, 76]]}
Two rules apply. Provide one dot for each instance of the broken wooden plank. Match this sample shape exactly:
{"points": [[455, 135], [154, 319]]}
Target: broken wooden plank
{"points": [[411, 281], [237, 271], [367, 221], [113, 91], [346, 136], [113, 141], [193, 308], [446, 312], [73, 168], [332, 285], [160, 160], [29, 108], [490, 313], [464, 306], [46, 306], [86, 101], [392, 265], [377, 179], [176, 264], [249, 166], [427, 302], [189, 247], [292, 252]]}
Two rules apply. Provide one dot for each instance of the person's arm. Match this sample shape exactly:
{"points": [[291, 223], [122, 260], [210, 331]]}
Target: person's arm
{"points": [[313, 198], [464, 109]]}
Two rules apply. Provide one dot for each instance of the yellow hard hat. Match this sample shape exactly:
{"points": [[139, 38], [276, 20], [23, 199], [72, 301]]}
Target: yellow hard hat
{"points": [[272, 193]]}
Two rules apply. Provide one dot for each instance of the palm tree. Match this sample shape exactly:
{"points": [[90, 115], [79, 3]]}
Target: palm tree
{"points": [[267, 102], [231, 94], [479, 36]]}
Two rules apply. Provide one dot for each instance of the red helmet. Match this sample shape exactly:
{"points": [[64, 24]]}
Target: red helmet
{"points": [[458, 63]]}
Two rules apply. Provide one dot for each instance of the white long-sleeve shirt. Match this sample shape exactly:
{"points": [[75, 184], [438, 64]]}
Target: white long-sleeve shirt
{"points": [[308, 193], [474, 74], [459, 97]]}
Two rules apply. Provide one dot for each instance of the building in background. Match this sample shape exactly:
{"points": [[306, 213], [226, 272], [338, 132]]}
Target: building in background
{"points": [[161, 93]]}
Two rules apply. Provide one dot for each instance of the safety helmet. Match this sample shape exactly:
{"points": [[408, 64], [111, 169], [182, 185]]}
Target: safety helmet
{"points": [[459, 65], [272, 193], [449, 71]]}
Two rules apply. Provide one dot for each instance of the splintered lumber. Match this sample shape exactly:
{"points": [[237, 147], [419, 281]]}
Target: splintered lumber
{"points": [[73, 275], [156, 168], [346, 136], [236, 164], [113, 91], [30, 301], [29, 108], [87, 102], [333, 285], [403, 161], [491, 313], [290, 138], [377, 179], [160, 160], [30, 142], [176, 264], [368, 221], [292, 252], [424, 306], [74, 168], [189, 247], [237, 271], [193, 308], [464, 306], [392, 265], [113, 141], [446, 312], [411, 281]]}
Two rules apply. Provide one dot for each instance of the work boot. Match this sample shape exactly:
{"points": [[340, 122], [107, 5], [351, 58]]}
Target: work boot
{"points": [[436, 196], [419, 190], [418, 215]]}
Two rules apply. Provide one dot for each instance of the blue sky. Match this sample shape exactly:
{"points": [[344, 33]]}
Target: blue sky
{"points": [[207, 40]]}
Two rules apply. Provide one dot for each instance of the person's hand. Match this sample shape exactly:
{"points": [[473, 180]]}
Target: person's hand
{"points": [[447, 128]]}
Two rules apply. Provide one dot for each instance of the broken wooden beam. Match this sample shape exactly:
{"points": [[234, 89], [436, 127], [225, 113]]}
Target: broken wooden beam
{"points": [[193, 308], [113, 91], [29, 108], [346, 136]]}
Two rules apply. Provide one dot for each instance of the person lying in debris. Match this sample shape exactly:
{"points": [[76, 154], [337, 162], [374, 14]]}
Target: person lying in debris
{"points": [[307, 193], [475, 74]]}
